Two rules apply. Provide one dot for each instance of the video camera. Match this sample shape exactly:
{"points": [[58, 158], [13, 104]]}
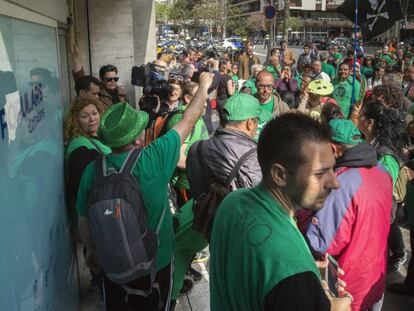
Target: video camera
{"points": [[155, 86]]}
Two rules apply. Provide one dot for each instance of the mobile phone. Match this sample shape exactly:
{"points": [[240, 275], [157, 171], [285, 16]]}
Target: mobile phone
{"points": [[331, 275]]}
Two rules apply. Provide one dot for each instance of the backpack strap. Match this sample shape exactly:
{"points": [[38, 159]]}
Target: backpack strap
{"points": [[97, 147], [238, 165], [130, 160]]}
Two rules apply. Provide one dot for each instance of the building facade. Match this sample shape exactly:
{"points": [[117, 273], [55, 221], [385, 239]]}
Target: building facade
{"points": [[38, 259]]}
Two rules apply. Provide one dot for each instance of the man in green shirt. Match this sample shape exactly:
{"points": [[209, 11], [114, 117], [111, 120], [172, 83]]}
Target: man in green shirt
{"points": [[122, 129], [327, 68], [343, 89], [274, 67], [259, 259], [198, 132], [270, 100]]}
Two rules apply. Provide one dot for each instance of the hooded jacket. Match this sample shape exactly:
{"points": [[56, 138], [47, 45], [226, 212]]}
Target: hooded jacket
{"points": [[220, 154], [354, 223]]}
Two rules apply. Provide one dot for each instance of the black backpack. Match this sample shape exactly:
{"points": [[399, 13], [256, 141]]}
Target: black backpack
{"points": [[124, 243], [205, 206]]}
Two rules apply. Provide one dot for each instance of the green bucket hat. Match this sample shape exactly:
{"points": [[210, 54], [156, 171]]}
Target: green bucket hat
{"points": [[121, 124], [345, 132], [241, 107]]}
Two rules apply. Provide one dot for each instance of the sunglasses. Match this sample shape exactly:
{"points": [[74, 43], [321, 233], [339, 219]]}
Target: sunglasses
{"points": [[265, 86], [111, 79]]}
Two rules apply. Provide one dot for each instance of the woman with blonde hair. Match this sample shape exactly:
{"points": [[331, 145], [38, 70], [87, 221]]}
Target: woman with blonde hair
{"points": [[81, 136]]}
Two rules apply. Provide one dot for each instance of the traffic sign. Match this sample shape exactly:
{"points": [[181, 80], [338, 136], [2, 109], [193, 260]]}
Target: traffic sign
{"points": [[270, 12]]}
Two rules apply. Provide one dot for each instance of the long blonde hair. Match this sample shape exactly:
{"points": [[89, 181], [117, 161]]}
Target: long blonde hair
{"points": [[72, 126]]}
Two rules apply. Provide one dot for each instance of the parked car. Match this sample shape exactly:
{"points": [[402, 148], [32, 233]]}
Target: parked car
{"points": [[321, 44], [232, 44]]}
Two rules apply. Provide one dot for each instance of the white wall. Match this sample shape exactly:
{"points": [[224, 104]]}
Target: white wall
{"points": [[55, 9]]}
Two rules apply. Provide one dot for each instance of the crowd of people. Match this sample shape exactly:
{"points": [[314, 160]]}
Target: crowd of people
{"points": [[307, 173]]}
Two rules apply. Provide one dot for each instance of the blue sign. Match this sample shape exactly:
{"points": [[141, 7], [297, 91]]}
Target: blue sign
{"points": [[270, 12]]}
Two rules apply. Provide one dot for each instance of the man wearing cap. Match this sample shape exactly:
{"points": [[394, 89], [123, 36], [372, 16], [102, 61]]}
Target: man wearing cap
{"points": [[221, 152], [311, 103], [353, 225], [122, 128]]}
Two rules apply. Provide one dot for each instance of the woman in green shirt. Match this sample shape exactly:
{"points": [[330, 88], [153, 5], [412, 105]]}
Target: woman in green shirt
{"points": [[83, 146], [368, 67], [384, 128]]}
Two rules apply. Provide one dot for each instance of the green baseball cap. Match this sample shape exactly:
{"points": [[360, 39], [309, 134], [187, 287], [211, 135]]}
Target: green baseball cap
{"points": [[241, 107], [345, 132], [121, 124]]}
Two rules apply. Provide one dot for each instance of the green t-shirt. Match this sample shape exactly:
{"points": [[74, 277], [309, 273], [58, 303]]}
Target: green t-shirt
{"points": [[251, 84], [392, 167], [367, 71], [329, 70], [274, 71], [343, 94], [153, 170], [337, 57], [269, 107], [255, 245], [235, 79], [199, 132]]}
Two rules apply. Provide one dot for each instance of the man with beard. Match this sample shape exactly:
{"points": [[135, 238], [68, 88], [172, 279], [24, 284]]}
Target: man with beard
{"points": [[247, 61], [343, 89], [259, 259], [271, 102]]}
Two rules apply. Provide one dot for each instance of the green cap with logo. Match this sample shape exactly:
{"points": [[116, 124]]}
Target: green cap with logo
{"points": [[121, 124], [241, 107], [345, 132]]}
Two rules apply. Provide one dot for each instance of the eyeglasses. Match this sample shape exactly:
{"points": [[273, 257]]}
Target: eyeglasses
{"points": [[265, 86], [175, 77], [111, 79]]}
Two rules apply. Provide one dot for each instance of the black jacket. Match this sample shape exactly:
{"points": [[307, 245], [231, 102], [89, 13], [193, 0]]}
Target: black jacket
{"points": [[220, 154]]}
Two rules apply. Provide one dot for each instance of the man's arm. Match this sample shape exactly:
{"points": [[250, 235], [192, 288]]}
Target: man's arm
{"points": [[77, 70], [195, 108]]}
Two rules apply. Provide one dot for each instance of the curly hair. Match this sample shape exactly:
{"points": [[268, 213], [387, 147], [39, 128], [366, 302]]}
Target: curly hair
{"points": [[389, 127], [392, 95], [72, 126]]}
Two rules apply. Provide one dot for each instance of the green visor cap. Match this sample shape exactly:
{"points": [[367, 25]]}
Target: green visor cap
{"points": [[121, 124], [241, 107], [320, 87], [345, 132]]}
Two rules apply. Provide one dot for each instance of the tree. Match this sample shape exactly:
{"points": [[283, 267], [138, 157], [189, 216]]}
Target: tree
{"points": [[256, 22], [180, 12], [162, 12], [294, 23], [286, 15]]}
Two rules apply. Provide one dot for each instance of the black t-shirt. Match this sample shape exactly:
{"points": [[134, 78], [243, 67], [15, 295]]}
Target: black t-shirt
{"points": [[299, 292], [222, 93]]}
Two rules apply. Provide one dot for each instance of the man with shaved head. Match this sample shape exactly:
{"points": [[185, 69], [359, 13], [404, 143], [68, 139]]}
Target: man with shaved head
{"points": [[317, 73], [268, 98]]}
